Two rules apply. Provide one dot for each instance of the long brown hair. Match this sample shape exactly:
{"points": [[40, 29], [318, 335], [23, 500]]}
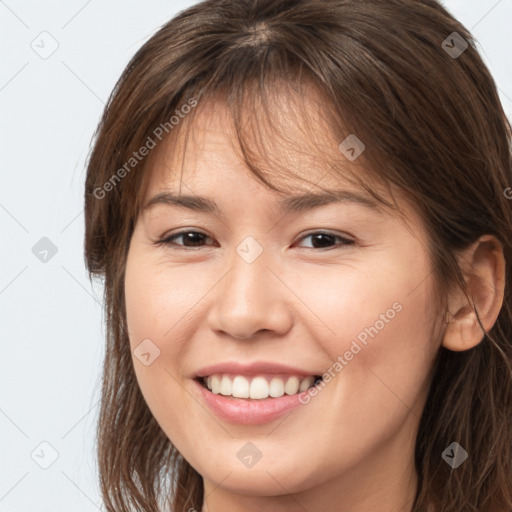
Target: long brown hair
{"points": [[427, 109]]}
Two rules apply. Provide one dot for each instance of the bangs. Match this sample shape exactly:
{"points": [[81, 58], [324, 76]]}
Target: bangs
{"points": [[284, 131]]}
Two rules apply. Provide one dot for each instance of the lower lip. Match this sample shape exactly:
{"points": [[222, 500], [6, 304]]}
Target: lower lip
{"points": [[245, 411]]}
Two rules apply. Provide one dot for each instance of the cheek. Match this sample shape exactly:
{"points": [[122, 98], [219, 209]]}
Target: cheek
{"points": [[157, 300], [377, 330], [391, 352], [350, 304], [162, 305], [152, 312]]}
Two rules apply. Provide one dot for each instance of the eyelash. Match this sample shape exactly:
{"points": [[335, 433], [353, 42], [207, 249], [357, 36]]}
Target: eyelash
{"points": [[168, 240]]}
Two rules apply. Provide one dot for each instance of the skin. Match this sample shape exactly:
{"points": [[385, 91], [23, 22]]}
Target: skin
{"points": [[351, 448]]}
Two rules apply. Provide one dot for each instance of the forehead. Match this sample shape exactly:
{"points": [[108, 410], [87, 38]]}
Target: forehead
{"points": [[288, 137], [291, 144]]}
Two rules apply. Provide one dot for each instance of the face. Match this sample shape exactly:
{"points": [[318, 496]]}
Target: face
{"points": [[259, 299]]}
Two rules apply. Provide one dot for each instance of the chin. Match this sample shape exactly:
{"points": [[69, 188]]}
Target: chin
{"points": [[263, 479]]}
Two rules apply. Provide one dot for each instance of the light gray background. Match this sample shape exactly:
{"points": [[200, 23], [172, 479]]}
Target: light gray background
{"points": [[51, 319]]}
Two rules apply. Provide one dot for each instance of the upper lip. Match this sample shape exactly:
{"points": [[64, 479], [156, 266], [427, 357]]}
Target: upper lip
{"points": [[254, 368]]}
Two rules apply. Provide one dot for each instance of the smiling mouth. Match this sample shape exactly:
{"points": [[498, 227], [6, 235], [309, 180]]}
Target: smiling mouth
{"points": [[257, 387]]}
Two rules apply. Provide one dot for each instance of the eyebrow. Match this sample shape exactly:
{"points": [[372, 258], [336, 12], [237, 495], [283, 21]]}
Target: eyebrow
{"points": [[291, 204]]}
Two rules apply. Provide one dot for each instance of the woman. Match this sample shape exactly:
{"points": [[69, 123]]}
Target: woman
{"points": [[299, 209]]}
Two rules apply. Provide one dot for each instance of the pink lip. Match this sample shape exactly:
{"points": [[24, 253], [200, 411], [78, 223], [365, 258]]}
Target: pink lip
{"points": [[245, 411], [256, 368]]}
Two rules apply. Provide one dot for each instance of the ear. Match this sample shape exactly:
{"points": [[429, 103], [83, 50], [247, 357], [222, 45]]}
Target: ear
{"points": [[483, 267]]}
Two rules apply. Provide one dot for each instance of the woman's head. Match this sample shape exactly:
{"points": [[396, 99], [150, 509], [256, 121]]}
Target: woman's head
{"points": [[403, 151]]}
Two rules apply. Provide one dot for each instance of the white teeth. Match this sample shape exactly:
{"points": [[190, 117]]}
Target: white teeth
{"points": [[292, 386], [276, 388], [257, 388], [306, 383], [225, 386], [240, 387], [215, 384]]}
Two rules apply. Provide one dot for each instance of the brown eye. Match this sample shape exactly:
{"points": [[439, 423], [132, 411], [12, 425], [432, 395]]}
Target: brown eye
{"points": [[322, 240], [189, 239]]}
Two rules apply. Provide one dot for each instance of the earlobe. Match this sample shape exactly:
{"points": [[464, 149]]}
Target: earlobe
{"points": [[483, 266]]}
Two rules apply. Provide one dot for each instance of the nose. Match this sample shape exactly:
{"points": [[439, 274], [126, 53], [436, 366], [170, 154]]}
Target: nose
{"points": [[250, 299]]}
